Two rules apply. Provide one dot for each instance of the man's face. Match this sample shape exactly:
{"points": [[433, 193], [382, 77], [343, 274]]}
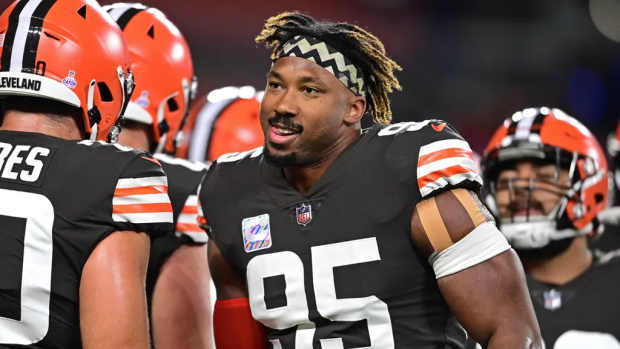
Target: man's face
{"points": [[527, 188], [302, 113]]}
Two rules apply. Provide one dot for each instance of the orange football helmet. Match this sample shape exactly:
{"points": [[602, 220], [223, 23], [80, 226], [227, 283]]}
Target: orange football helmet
{"points": [[69, 51], [162, 65], [551, 136], [226, 121]]}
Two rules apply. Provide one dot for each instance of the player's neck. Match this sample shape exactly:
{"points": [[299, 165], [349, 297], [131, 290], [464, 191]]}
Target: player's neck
{"points": [[564, 267], [56, 126], [136, 136], [303, 178]]}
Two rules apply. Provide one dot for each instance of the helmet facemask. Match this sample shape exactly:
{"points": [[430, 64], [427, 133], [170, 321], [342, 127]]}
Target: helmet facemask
{"points": [[533, 211]]}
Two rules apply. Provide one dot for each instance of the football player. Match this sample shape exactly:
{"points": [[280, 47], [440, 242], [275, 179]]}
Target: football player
{"points": [[72, 211], [336, 238], [548, 180], [178, 275], [224, 121]]}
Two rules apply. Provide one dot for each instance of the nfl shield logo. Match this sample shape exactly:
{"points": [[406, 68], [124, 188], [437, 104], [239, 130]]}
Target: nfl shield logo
{"points": [[304, 214], [553, 299], [256, 233]]}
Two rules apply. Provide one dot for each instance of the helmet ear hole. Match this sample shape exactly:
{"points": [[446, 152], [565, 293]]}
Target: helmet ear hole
{"points": [[104, 92], [82, 12], [172, 105], [151, 32]]}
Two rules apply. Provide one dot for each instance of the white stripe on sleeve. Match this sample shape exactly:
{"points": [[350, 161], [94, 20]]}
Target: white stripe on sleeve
{"points": [[444, 144], [143, 217], [444, 181], [141, 182]]}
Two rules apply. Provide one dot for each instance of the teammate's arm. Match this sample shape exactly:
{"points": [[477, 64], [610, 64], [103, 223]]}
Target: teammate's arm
{"points": [[181, 311], [233, 324], [112, 295], [478, 274]]}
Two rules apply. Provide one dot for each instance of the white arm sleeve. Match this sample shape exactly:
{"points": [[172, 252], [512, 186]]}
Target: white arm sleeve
{"points": [[482, 243]]}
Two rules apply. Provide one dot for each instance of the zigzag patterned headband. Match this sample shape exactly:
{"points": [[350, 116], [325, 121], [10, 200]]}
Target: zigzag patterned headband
{"points": [[327, 57]]}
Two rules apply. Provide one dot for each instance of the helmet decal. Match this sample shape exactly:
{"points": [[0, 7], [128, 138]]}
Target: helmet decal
{"points": [[22, 37]]}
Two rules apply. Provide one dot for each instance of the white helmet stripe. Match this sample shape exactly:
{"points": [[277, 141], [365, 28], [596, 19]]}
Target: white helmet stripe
{"points": [[19, 43]]}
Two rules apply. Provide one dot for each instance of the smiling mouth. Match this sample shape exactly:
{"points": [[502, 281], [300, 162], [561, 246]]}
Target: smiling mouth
{"points": [[283, 130], [280, 136]]}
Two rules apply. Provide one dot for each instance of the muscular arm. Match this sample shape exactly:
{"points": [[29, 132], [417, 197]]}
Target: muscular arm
{"points": [[232, 315], [488, 297], [112, 295], [181, 315]]}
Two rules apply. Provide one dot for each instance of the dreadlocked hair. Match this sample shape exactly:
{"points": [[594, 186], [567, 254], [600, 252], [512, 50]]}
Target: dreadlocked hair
{"points": [[362, 48]]}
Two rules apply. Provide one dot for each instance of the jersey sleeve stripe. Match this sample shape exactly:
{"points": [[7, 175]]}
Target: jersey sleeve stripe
{"points": [[142, 182], [190, 210], [189, 228], [151, 189], [445, 172], [444, 164], [140, 218], [191, 205], [442, 145], [444, 154], [143, 208], [140, 199], [453, 180], [187, 223]]}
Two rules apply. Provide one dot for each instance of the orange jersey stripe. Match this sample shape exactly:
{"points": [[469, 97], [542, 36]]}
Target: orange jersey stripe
{"points": [[142, 208], [150, 189], [444, 154], [153, 160], [444, 172], [190, 210], [189, 228]]}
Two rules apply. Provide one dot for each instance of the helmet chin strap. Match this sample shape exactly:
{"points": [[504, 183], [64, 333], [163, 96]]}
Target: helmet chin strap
{"points": [[93, 113], [523, 233], [533, 235], [160, 120]]}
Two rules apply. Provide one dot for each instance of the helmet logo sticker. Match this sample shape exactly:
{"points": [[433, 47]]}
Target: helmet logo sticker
{"points": [[70, 81], [143, 100]]}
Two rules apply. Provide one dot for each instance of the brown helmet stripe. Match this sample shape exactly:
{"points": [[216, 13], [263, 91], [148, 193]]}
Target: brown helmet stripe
{"points": [[9, 37], [34, 34]]}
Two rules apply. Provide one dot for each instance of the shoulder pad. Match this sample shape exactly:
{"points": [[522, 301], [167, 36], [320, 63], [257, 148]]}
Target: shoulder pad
{"points": [[444, 158]]}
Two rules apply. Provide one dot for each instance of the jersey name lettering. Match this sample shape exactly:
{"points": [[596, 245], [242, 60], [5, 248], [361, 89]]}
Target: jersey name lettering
{"points": [[21, 161]]}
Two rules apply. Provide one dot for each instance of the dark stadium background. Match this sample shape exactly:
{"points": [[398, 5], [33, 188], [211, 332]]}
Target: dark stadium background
{"points": [[472, 63]]}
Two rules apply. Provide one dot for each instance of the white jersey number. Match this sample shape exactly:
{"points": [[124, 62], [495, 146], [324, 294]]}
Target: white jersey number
{"points": [[575, 339], [36, 281], [295, 312]]}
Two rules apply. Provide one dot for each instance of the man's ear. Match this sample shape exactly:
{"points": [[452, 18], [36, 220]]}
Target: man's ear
{"points": [[356, 110]]}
